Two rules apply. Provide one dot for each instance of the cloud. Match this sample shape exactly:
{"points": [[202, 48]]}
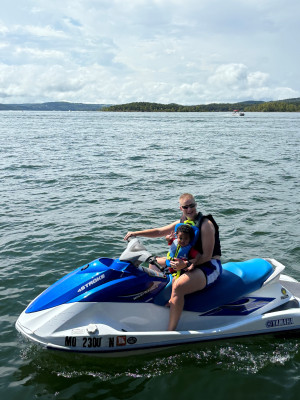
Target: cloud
{"points": [[233, 76], [246, 84], [41, 31], [113, 51]]}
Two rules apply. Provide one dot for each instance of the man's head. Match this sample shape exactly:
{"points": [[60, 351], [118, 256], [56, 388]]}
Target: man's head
{"points": [[188, 205]]}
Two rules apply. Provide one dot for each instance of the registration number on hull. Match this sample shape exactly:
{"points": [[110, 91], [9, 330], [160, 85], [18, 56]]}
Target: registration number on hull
{"points": [[96, 341], [73, 341]]}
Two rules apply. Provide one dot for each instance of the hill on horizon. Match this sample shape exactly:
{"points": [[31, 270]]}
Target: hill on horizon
{"points": [[248, 105], [54, 106], [287, 105]]}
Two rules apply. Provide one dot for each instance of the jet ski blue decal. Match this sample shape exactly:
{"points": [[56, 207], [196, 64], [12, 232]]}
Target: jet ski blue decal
{"points": [[243, 306]]}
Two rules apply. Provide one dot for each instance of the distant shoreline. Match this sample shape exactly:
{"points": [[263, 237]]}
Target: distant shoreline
{"points": [[288, 105], [53, 106]]}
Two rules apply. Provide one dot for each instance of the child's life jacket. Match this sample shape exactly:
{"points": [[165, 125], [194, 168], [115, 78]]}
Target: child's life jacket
{"points": [[184, 253]]}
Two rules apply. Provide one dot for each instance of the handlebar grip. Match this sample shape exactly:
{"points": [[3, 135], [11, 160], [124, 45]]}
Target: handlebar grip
{"points": [[153, 261]]}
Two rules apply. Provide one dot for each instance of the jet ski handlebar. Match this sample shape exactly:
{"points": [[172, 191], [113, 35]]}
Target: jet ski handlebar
{"points": [[136, 253]]}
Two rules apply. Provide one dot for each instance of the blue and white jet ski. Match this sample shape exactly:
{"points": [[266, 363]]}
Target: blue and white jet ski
{"points": [[117, 306]]}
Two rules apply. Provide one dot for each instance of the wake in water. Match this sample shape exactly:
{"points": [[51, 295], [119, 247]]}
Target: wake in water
{"points": [[241, 355]]}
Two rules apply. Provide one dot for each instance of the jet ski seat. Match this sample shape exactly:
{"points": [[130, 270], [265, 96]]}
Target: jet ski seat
{"points": [[237, 279]]}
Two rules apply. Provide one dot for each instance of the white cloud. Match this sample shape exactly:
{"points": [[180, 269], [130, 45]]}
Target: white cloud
{"points": [[232, 76], [113, 51], [257, 79], [38, 54], [3, 29], [42, 31]]}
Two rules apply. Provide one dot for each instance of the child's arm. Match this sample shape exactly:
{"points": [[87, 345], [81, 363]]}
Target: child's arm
{"points": [[192, 256], [193, 253]]}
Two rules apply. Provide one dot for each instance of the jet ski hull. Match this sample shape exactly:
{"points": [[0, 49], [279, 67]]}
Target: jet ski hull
{"points": [[140, 328], [101, 339]]}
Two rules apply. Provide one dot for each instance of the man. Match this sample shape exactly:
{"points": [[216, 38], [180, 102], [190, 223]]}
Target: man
{"points": [[204, 269]]}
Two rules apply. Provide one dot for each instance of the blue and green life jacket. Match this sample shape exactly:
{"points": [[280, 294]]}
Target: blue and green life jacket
{"points": [[176, 251]]}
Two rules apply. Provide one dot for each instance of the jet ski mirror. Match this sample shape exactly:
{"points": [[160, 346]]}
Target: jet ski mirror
{"points": [[135, 252]]}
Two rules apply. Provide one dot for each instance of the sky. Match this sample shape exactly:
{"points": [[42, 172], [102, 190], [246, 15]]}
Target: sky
{"points": [[165, 51]]}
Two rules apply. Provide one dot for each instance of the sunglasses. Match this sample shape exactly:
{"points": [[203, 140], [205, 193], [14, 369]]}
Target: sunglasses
{"points": [[189, 206]]}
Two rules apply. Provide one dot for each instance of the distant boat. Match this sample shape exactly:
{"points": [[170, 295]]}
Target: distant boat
{"points": [[237, 112]]}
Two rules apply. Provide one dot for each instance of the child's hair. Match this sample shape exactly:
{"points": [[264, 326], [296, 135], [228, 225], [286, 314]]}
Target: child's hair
{"points": [[185, 228]]}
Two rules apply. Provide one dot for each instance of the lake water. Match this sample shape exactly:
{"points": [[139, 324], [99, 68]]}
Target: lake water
{"points": [[73, 184]]}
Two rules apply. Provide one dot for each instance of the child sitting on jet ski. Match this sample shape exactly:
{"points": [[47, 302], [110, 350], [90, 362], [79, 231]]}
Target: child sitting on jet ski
{"points": [[181, 247]]}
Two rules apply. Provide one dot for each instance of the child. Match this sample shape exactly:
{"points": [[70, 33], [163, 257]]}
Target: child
{"points": [[181, 247]]}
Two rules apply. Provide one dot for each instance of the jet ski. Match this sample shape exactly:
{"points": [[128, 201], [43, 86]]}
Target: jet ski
{"points": [[118, 306]]}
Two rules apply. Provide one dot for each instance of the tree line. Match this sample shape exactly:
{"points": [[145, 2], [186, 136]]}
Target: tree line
{"points": [[292, 105]]}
